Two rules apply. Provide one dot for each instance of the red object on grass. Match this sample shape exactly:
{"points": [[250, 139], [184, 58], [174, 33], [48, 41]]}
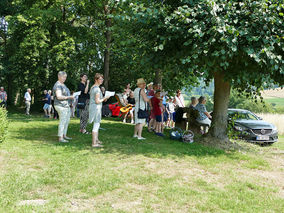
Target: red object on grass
{"points": [[115, 109]]}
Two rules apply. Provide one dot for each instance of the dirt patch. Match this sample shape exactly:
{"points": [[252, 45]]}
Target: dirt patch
{"points": [[222, 144], [38, 202]]}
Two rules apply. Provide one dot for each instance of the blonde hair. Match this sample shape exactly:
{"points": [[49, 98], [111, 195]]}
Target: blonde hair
{"points": [[98, 76]]}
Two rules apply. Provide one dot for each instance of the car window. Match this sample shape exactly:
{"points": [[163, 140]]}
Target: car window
{"points": [[242, 115]]}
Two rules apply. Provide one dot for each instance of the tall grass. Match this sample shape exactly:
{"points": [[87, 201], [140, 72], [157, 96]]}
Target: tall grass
{"points": [[276, 119]]}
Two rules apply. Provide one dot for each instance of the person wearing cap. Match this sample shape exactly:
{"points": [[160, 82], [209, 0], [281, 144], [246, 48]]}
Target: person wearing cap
{"points": [[141, 100]]}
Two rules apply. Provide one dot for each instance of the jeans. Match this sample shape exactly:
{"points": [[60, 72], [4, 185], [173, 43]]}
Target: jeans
{"points": [[64, 119]]}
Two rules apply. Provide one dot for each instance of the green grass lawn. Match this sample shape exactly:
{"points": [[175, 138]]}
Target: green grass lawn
{"points": [[277, 102], [156, 175]]}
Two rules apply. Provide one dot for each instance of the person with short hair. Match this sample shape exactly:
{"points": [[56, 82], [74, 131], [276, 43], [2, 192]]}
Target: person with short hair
{"points": [[62, 100], [84, 98], [141, 100], [47, 104], [204, 117], [130, 100], [170, 108], [157, 108], [193, 103], [28, 100], [3, 97], [95, 109]]}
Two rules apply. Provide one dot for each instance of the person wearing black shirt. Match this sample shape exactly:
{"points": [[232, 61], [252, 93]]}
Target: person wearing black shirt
{"points": [[47, 104], [83, 101], [130, 100]]}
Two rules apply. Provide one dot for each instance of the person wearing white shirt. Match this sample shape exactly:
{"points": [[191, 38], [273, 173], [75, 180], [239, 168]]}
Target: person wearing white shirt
{"points": [[179, 100], [28, 100]]}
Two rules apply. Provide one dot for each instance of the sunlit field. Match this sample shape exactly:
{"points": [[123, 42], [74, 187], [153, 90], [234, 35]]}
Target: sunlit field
{"points": [[276, 119]]}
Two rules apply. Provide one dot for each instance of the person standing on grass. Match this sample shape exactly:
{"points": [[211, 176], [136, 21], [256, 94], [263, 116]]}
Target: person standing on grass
{"points": [[84, 98], [62, 101], [141, 100], [3, 97], [95, 109], [170, 108], [152, 118], [157, 107], [28, 100], [179, 100], [47, 104]]}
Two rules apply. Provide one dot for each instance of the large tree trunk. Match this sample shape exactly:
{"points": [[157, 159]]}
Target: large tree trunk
{"points": [[158, 77], [221, 101], [108, 46]]}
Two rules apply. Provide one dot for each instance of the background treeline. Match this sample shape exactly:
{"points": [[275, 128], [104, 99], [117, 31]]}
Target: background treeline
{"points": [[237, 100]]}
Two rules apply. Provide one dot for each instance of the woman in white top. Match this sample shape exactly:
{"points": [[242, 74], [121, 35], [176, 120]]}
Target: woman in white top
{"points": [[28, 100], [95, 109], [179, 100], [140, 103]]}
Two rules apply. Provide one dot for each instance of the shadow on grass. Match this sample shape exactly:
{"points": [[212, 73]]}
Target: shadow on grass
{"points": [[117, 138]]}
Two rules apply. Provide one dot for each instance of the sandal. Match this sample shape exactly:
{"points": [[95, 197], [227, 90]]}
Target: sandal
{"points": [[97, 146]]}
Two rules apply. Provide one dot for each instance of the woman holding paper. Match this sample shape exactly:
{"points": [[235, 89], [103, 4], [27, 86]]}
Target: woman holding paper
{"points": [[95, 108], [62, 101]]}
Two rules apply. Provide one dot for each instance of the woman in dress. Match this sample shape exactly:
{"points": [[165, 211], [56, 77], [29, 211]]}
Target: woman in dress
{"points": [[95, 109], [141, 100]]}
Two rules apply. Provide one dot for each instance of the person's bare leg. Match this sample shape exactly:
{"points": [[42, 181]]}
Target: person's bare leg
{"points": [[136, 130], [94, 138], [131, 115], [140, 128]]}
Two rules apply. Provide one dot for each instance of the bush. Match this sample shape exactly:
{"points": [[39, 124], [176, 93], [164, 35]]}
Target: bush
{"points": [[3, 124]]}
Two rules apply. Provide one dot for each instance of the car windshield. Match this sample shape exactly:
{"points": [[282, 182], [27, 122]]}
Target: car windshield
{"points": [[242, 115]]}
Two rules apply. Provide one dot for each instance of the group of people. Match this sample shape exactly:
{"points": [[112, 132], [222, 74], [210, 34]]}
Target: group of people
{"points": [[162, 109], [90, 101], [149, 105]]}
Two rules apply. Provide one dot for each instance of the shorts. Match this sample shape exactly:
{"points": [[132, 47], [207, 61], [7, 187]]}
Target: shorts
{"points": [[159, 118], [46, 106], [171, 116]]}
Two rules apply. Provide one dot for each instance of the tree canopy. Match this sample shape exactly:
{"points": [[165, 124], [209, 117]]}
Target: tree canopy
{"points": [[237, 43]]}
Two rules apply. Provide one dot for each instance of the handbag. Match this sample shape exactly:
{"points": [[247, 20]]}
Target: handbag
{"points": [[142, 114], [81, 103]]}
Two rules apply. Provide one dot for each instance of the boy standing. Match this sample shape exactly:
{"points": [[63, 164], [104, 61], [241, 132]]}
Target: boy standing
{"points": [[157, 104], [170, 108]]}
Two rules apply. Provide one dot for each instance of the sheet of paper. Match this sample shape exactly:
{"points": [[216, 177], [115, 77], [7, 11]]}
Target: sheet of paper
{"points": [[108, 93], [76, 94], [163, 94]]}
